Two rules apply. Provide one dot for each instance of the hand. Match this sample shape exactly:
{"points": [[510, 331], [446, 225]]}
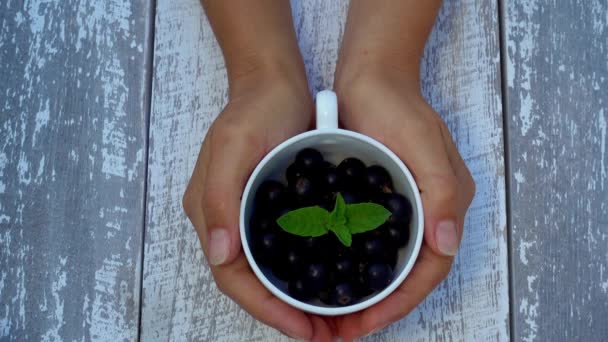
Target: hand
{"points": [[385, 104], [263, 111]]}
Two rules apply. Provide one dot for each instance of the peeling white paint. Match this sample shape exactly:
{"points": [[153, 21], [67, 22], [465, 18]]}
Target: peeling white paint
{"points": [[519, 178], [23, 168], [523, 49], [133, 170], [108, 311], [40, 168], [33, 136], [529, 308], [57, 286], [602, 127], [523, 248], [531, 280], [3, 163], [530, 312], [42, 120], [525, 115], [3, 276], [558, 204]]}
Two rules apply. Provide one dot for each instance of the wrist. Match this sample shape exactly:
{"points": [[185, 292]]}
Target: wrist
{"points": [[358, 86], [281, 84], [250, 73], [386, 38], [358, 76], [379, 56]]}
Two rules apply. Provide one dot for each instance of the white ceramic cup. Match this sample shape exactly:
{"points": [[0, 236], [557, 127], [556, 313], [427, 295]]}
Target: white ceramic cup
{"points": [[335, 144]]}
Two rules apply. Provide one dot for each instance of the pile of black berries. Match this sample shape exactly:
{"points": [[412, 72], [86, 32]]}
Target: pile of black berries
{"points": [[322, 267]]}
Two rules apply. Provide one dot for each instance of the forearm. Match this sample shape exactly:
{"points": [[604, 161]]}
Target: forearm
{"points": [[256, 37], [387, 34]]}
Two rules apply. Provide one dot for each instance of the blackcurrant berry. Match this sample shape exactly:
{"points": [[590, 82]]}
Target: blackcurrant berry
{"points": [[361, 280], [298, 290], [316, 248], [309, 158], [294, 259], [351, 197], [396, 234], [378, 179], [268, 246], [261, 224], [289, 263], [390, 257], [325, 295], [400, 208], [329, 180], [315, 277], [303, 189], [293, 172], [373, 248], [270, 195], [378, 276], [344, 268], [352, 171], [343, 294]]}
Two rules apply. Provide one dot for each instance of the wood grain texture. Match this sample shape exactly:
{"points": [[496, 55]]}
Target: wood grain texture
{"points": [[557, 97], [461, 79], [73, 80]]}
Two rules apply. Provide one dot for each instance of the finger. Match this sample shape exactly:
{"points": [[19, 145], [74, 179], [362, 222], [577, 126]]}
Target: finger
{"points": [[439, 191], [234, 151], [322, 329], [429, 270], [238, 282], [417, 140], [460, 168], [192, 199]]}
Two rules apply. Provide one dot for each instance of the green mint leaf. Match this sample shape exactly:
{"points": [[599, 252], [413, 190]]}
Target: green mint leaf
{"points": [[343, 235], [309, 221], [337, 216], [363, 217]]}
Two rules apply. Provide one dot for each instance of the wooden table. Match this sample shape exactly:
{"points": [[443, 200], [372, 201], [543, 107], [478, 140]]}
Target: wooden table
{"points": [[104, 105]]}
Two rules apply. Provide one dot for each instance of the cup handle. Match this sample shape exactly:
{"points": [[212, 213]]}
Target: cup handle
{"points": [[327, 110]]}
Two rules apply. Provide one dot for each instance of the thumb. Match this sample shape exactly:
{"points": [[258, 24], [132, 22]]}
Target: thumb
{"points": [[423, 151], [443, 222], [233, 153]]}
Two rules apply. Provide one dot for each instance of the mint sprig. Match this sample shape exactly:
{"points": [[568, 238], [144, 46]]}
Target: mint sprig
{"points": [[338, 215], [363, 217], [309, 221], [344, 221]]}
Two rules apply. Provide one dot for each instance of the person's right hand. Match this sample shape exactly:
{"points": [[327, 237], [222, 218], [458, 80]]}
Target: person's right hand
{"points": [[264, 109]]}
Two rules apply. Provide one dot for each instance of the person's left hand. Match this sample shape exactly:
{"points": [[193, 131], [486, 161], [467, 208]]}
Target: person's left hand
{"points": [[386, 104]]}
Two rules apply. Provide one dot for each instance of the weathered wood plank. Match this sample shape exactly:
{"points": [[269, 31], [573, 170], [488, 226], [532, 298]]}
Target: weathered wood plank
{"points": [[461, 79], [73, 80], [557, 97]]}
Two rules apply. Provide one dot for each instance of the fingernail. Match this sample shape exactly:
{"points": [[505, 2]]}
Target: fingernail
{"points": [[219, 246], [447, 237], [293, 335], [384, 325]]}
